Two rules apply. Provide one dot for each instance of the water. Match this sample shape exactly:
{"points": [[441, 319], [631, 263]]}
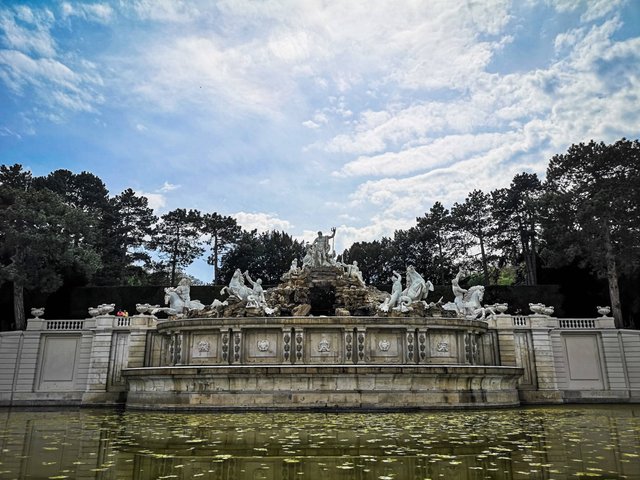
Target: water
{"points": [[568, 442]]}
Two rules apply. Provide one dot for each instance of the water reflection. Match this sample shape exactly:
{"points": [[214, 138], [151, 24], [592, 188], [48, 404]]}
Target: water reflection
{"points": [[533, 443]]}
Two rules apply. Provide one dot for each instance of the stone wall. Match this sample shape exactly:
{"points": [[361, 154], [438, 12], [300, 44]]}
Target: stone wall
{"points": [[71, 362], [74, 362]]}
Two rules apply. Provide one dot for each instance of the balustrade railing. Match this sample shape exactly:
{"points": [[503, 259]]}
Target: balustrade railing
{"points": [[122, 322], [520, 321], [582, 323], [64, 324]]}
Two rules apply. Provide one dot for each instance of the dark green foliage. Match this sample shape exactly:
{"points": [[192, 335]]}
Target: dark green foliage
{"points": [[374, 259], [474, 220], [223, 232], [592, 200], [127, 223], [516, 212], [266, 255], [177, 238], [83, 191], [440, 243], [41, 240]]}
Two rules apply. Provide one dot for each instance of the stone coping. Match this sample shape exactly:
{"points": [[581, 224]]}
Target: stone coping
{"points": [[323, 369], [452, 323]]}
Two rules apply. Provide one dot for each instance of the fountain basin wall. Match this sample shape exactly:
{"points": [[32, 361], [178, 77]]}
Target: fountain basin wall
{"points": [[322, 362], [323, 341], [290, 387]]}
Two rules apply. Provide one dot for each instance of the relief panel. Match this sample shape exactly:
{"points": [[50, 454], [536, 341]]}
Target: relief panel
{"points": [[443, 347], [204, 348], [323, 346], [262, 345], [384, 346]]}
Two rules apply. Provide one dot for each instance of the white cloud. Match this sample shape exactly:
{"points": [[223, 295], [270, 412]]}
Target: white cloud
{"points": [[32, 36], [263, 222], [171, 11], [96, 12], [599, 8], [169, 187], [56, 85], [157, 201], [439, 152], [30, 65], [202, 72]]}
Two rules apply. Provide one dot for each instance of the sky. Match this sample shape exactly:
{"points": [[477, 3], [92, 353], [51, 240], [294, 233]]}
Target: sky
{"points": [[303, 115]]}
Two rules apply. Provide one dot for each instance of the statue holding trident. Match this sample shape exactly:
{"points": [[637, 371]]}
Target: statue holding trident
{"points": [[319, 252]]}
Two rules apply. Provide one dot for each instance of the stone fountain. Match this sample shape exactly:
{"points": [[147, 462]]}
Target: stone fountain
{"points": [[322, 339]]}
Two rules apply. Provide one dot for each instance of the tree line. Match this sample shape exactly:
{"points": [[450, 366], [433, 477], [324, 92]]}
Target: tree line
{"points": [[67, 228]]}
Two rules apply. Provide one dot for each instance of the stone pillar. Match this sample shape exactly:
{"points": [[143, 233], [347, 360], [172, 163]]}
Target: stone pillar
{"points": [[541, 328], [506, 342], [615, 363], [98, 376], [140, 325]]}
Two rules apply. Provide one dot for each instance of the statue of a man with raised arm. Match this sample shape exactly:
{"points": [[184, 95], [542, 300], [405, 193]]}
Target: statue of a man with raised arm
{"points": [[321, 250]]}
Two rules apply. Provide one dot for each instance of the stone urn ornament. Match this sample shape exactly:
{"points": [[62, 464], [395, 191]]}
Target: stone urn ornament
{"points": [[37, 312], [604, 311], [106, 308], [143, 308], [93, 311], [541, 309], [501, 308]]}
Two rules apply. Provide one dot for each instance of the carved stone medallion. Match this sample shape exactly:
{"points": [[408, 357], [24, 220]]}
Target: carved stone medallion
{"points": [[204, 346], [442, 347], [384, 345], [324, 345], [263, 345]]}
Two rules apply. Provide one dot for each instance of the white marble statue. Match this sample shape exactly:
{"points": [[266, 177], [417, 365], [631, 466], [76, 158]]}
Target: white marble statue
{"points": [[468, 303], [458, 291], [293, 270], [319, 253], [417, 290], [352, 271], [236, 287], [256, 297], [179, 299], [396, 292]]}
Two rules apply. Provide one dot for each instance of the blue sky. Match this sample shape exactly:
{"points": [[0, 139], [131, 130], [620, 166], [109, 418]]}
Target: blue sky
{"points": [[303, 115]]}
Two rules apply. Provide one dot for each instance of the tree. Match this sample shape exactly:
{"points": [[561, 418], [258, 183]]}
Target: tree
{"points": [[266, 255], [40, 237], [373, 259], [15, 177], [177, 238], [84, 190], [243, 255], [222, 232], [436, 230], [126, 227], [474, 217], [516, 211], [592, 195]]}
